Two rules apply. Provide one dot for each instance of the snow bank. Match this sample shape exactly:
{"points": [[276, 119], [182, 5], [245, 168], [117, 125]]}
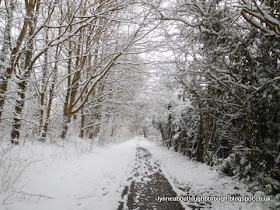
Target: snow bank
{"points": [[64, 178], [196, 179]]}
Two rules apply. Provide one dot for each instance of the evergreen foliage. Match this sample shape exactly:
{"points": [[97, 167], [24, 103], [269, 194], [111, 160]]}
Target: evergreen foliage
{"points": [[234, 87]]}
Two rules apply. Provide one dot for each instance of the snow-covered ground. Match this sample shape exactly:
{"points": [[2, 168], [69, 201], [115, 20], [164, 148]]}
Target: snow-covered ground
{"points": [[196, 179], [65, 178]]}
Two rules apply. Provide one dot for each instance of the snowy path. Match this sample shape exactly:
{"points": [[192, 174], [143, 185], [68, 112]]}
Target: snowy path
{"points": [[148, 182], [124, 176]]}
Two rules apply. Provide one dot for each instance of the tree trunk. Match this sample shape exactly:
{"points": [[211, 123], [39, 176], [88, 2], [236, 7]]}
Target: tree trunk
{"points": [[66, 121], [16, 127], [162, 133], [83, 119], [13, 57], [5, 51], [44, 83], [15, 133], [3, 88], [46, 125], [199, 140], [42, 101]]}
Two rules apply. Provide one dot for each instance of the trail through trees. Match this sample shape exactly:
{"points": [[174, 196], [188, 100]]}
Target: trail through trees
{"points": [[149, 186]]}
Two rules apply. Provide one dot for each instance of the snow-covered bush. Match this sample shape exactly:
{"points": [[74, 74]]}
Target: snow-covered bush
{"points": [[258, 167], [231, 77]]}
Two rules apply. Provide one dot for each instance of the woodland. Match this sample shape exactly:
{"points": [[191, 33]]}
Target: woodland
{"points": [[201, 76]]}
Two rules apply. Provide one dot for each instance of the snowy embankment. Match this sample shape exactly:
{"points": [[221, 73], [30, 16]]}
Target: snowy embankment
{"points": [[70, 177], [65, 178], [196, 179]]}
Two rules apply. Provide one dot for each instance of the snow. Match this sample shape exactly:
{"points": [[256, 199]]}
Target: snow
{"points": [[71, 177], [200, 180]]}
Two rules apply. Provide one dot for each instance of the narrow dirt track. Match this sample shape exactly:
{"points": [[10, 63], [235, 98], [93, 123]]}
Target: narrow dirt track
{"points": [[148, 182]]}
